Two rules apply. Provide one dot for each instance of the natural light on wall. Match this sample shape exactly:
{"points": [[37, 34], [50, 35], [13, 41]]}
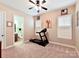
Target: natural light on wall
{"points": [[37, 26], [31, 22]]}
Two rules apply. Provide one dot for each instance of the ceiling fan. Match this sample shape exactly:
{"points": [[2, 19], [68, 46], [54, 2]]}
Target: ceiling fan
{"points": [[38, 4]]}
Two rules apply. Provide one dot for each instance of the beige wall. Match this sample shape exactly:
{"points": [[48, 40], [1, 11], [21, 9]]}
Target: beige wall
{"points": [[76, 28], [28, 27], [29, 24], [53, 15]]}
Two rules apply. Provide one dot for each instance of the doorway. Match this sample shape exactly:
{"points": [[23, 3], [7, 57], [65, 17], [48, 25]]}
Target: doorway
{"points": [[18, 29]]}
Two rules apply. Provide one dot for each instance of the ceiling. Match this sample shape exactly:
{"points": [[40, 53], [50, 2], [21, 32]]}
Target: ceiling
{"points": [[23, 5]]}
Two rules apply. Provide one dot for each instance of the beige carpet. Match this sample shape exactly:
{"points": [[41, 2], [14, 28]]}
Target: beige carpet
{"points": [[32, 50]]}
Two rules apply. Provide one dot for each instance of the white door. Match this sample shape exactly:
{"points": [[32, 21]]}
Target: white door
{"points": [[2, 29]]}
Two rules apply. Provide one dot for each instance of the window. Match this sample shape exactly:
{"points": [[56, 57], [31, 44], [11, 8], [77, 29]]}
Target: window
{"points": [[64, 21], [64, 27]]}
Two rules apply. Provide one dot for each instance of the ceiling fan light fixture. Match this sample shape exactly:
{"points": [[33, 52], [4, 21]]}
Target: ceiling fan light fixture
{"points": [[37, 2], [44, 1], [38, 11]]}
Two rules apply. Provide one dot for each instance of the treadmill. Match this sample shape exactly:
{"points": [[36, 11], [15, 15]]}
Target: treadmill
{"points": [[43, 41]]}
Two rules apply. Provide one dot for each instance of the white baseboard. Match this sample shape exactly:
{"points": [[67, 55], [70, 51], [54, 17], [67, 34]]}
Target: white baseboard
{"points": [[71, 46], [9, 46], [77, 51], [13, 45], [66, 46]]}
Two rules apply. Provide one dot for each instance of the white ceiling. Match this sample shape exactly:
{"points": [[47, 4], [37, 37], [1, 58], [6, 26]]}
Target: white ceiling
{"points": [[23, 5]]}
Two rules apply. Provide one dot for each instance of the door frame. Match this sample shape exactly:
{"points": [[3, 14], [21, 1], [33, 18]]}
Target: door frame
{"points": [[14, 28], [4, 22]]}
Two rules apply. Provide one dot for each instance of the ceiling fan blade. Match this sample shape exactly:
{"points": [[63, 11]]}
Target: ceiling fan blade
{"points": [[30, 7], [43, 1], [44, 8], [31, 1]]}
